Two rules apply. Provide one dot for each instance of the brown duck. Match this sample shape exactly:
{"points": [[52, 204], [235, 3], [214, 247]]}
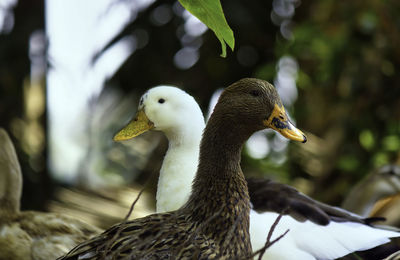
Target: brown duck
{"points": [[32, 235], [214, 223]]}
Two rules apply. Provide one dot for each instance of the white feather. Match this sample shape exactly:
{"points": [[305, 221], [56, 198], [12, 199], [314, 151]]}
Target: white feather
{"points": [[181, 120], [306, 240]]}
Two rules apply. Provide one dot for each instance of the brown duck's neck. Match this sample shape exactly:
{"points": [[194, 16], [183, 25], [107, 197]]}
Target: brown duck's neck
{"points": [[219, 199], [220, 150], [219, 162], [10, 178]]}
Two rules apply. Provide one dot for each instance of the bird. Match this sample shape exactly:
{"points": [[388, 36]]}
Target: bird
{"points": [[26, 235], [378, 194], [214, 222], [177, 114], [179, 117]]}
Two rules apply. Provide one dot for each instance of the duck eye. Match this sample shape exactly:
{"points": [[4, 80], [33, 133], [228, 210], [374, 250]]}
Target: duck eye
{"points": [[161, 100], [255, 93]]}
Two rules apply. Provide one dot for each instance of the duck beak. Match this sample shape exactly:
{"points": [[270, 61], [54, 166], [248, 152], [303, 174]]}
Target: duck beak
{"points": [[140, 124], [278, 120]]}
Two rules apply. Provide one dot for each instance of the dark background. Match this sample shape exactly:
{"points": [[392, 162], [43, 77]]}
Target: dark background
{"points": [[348, 86]]}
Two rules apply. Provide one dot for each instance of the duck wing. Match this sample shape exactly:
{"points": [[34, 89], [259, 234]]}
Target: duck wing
{"points": [[157, 236], [267, 195]]}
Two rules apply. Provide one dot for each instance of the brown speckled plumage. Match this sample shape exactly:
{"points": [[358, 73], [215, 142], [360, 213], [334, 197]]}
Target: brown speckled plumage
{"points": [[214, 223]]}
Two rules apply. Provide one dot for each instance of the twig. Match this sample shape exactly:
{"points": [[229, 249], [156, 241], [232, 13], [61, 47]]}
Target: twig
{"points": [[269, 243], [107, 246], [119, 230]]}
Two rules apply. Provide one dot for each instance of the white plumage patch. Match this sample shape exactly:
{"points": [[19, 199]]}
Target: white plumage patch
{"points": [[306, 240], [180, 118]]}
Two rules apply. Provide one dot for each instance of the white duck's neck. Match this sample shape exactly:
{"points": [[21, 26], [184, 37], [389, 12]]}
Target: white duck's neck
{"points": [[178, 169]]}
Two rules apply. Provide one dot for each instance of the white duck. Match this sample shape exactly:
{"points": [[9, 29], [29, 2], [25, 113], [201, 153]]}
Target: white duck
{"points": [[31, 235], [174, 112], [178, 116]]}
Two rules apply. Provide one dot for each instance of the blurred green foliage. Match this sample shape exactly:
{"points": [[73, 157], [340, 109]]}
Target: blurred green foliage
{"points": [[348, 53], [349, 93]]}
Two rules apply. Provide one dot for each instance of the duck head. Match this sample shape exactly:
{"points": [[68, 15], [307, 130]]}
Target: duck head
{"points": [[166, 109], [251, 105]]}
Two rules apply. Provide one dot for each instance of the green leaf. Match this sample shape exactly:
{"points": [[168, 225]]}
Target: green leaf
{"points": [[211, 14], [380, 159], [348, 163], [367, 139], [391, 143]]}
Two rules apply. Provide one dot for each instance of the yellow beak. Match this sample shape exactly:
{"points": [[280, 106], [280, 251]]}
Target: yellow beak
{"points": [[140, 124], [278, 120]]}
